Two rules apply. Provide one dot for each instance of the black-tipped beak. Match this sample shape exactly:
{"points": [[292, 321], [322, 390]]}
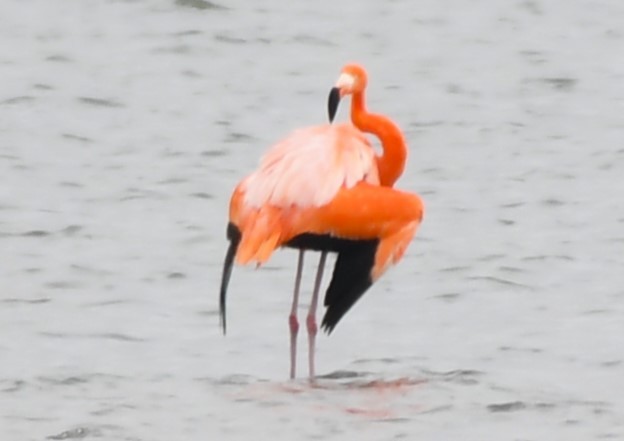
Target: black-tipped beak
{"points": [[332, 103]]}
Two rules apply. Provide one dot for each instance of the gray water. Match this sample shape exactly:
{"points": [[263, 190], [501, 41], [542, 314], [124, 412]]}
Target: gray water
{"points": [[125, 125]]}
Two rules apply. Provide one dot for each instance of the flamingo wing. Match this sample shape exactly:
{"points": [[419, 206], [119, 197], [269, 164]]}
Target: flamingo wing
{"points": [[309, 167], [304, 171], [370, 227]]}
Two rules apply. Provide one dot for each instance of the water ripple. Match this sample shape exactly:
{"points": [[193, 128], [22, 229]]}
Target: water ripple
{"points": [[79, 138], [76, 433], [36, 233], [100, 102], [506, 407], [13, 385], [18, 100], [201, 5], [222, 38], [36, 301], [500, 281], [116, 336]]}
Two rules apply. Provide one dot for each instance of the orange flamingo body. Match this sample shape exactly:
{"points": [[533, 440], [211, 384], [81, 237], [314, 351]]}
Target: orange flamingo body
{"points": [[323, 188]]}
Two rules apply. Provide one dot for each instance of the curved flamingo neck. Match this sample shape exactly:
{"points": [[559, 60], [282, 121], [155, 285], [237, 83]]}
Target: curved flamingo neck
{"points": [[392, 161]]}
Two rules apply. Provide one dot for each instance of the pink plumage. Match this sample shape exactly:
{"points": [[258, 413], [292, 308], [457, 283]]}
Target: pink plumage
{"points": [[324, 188], [309, 166]]}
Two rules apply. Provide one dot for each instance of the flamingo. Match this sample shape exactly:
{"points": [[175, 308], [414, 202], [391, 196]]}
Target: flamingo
{"points": [[324, 188]]}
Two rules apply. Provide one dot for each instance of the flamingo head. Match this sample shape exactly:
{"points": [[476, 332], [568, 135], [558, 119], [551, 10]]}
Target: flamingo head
{"points": [[352, 80]]}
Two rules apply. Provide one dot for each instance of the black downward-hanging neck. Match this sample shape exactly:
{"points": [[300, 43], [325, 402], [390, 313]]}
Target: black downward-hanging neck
{"points": [[234, 235]]}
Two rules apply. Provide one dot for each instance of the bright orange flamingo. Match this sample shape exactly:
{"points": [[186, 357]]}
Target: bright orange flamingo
{"points": [[324, 189]]}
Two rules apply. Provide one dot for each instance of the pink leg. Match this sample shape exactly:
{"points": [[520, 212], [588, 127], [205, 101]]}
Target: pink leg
{"points": [[292, 318], [311, 318]]}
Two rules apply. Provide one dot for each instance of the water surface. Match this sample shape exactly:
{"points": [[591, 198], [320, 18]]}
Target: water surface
{"points": [[124, 127]]}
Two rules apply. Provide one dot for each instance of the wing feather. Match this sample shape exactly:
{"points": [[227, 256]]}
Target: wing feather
{"points": [[308, 167]]}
